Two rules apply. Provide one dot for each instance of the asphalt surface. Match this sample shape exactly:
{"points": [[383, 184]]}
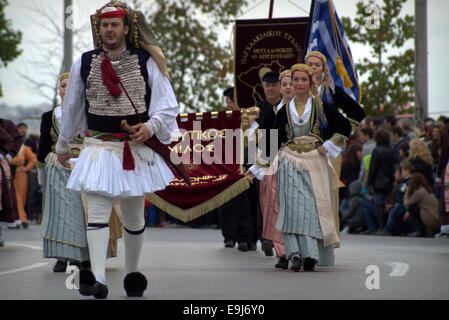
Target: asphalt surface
{"points": [[192, 264]]}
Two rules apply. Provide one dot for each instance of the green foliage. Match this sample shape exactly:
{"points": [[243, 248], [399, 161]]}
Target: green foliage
{"points": [[188, 33], [389, 71], [9, 39]]}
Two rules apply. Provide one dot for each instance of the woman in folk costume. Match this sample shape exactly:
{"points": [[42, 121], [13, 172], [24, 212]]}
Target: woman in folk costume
{"points": [[268, 202], [124, 78], [10, 143], [63, 225], [24, 161], [309, 132], [333, 94]]}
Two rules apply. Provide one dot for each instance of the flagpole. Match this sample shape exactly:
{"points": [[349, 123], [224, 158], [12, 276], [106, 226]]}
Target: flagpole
{"points": [[270, 13]]}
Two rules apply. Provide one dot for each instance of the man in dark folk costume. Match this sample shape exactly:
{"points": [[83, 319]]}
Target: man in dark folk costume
{"points": [[124, 78]]}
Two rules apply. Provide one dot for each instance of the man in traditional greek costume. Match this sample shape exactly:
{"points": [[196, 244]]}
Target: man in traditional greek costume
{"points": [[124, 78]]}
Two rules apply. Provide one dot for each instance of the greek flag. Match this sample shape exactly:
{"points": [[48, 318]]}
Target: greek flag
{"points": [[328, 37]]}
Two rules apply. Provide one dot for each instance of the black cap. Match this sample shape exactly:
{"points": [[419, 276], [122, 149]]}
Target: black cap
{"points": [[229, 92], [271, 77], [22, 124]]}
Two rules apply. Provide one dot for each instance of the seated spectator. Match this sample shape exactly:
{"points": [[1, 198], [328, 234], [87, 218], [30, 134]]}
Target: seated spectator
{"points": [[422, 206], [422, 160], [395, 207], [361, 213]]}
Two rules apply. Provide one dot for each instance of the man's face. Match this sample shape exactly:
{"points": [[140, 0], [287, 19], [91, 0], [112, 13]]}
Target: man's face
{"points": [[272, 91], [113, 32], [23, 130]]}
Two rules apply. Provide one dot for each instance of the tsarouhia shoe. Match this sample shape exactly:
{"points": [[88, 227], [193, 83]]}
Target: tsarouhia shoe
{"points": [[135, 284], [90, 286]]}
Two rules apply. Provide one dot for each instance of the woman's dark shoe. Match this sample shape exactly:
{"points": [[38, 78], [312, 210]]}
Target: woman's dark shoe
{"points": [[60, 266], [296, 263], [267, 247], [90, 286], [282, 263], [135, 284], [309, 264]]}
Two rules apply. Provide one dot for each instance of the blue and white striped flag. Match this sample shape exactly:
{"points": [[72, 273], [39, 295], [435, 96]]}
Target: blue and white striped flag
{"points": [[328, 37]]}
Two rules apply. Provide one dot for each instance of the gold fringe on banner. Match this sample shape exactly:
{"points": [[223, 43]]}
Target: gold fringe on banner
{"points": [[213, 203]]}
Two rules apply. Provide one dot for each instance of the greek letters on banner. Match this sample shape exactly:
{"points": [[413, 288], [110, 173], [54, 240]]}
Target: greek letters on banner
{"points": [[264, 45], [211, 150]]}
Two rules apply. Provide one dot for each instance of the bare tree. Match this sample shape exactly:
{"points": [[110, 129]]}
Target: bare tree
{"points": [[49, 50]]}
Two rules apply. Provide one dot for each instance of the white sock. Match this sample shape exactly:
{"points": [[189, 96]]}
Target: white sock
{"points": [[98, 241], [133, 248]]}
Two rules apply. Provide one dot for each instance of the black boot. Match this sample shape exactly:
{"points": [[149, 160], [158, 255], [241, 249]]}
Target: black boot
{"points": [[309, 264], [267, 247], [60, 266], [243, 246], [229, 244], [135, 284], [90, 286], [282, 263]]}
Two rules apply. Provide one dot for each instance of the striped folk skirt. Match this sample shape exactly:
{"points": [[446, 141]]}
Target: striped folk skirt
{"points": [[63, 225]]}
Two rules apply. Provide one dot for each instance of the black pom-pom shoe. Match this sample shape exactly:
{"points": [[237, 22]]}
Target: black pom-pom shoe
{"points": [[135, 284]]}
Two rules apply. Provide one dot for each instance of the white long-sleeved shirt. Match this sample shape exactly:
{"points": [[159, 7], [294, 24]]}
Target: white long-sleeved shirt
{"points": [[163, 107]]}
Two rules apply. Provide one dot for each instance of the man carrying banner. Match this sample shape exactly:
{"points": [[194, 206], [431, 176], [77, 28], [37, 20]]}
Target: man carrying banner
{"points": [[124, 78], [235, 215]]}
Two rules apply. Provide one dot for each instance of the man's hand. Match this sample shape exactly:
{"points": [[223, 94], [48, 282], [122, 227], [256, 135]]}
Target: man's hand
{"points": [[142, 134], [62, 158]]}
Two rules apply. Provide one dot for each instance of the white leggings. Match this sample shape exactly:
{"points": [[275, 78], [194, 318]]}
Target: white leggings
{"points": [[99, 210]]}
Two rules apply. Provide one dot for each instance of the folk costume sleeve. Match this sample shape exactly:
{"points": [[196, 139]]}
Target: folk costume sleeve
{"points": [[337, 131], [163, 108], [349, 106], [73, 110]]}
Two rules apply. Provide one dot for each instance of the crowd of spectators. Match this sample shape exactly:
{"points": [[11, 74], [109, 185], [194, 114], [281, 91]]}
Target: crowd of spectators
{"points": [[393, 182]]}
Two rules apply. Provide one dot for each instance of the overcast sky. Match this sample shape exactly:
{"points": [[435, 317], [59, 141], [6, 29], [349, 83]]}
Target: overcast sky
{"points": [[17, 91]]}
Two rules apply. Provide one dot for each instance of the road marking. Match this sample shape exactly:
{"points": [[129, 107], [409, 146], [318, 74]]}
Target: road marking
{"points": [[399, 269], [23, 245], [32, 266]]}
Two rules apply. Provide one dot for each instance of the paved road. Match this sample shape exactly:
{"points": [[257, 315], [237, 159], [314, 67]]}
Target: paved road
{"points": [[191, 264]]}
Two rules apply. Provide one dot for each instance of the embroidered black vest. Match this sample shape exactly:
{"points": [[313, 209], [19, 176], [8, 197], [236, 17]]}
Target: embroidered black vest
{"points": [[105, 112]]}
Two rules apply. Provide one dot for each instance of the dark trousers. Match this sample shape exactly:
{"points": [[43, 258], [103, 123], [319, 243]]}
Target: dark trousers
{"points": [[235, 219]]}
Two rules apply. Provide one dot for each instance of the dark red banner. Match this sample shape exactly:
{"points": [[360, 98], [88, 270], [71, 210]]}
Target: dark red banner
{"points": [[264, 45], [211, 150]]}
